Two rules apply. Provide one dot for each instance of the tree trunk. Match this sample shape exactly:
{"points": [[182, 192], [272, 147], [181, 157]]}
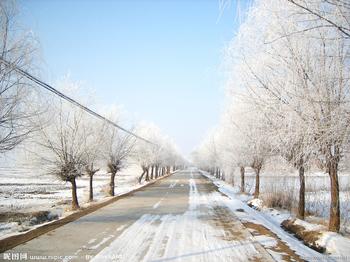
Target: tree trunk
{"points": [[156, 171], [111, 184], [301, 205], [75, 203], [91, 192], [242, 169], [152, 172], [143, 173], [257, 183], [334, 214], [147, 174], [91, 171], [232, 174]]}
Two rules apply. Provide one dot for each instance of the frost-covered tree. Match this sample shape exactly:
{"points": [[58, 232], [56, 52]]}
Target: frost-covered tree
{"points": [[66, 138], [234, 141], [156, 157], [118, 148], [251, 130], [60, 144], [147, 154], [206, 155], [94, 149], [329, 13], [17, 49]]}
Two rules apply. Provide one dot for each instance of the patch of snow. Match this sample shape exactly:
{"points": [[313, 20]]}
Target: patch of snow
{"points": [[256, 203], [11, 227], [276, 256], [335, 244], [266, 241], [309, 226]]}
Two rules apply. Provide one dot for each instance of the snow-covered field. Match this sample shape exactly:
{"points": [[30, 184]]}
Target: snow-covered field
{"points": [[272, 219], [23, 191], [317, 196]]}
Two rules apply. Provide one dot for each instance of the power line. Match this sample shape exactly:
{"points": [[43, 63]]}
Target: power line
{"points": [[70, 100]]}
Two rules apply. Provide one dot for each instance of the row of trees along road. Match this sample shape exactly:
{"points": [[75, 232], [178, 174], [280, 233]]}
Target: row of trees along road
{"points": [[71, 143], [65, 140], [288, 94]]}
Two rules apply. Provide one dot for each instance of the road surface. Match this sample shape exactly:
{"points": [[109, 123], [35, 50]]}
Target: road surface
{"points": [[179, 218]]}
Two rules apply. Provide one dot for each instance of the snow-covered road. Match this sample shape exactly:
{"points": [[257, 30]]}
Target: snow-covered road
{"points": [[180, 218]]}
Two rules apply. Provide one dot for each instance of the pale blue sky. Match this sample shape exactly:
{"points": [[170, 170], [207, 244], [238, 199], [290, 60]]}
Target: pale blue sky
{"points": [[160, 60]]}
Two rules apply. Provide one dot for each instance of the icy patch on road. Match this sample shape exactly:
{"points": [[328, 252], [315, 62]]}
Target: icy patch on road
{"points": [[193, 198], [104, 240], [185, 237], [91, 241], [172, 185], [120, 228], [131, 243], [156, 205]]}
